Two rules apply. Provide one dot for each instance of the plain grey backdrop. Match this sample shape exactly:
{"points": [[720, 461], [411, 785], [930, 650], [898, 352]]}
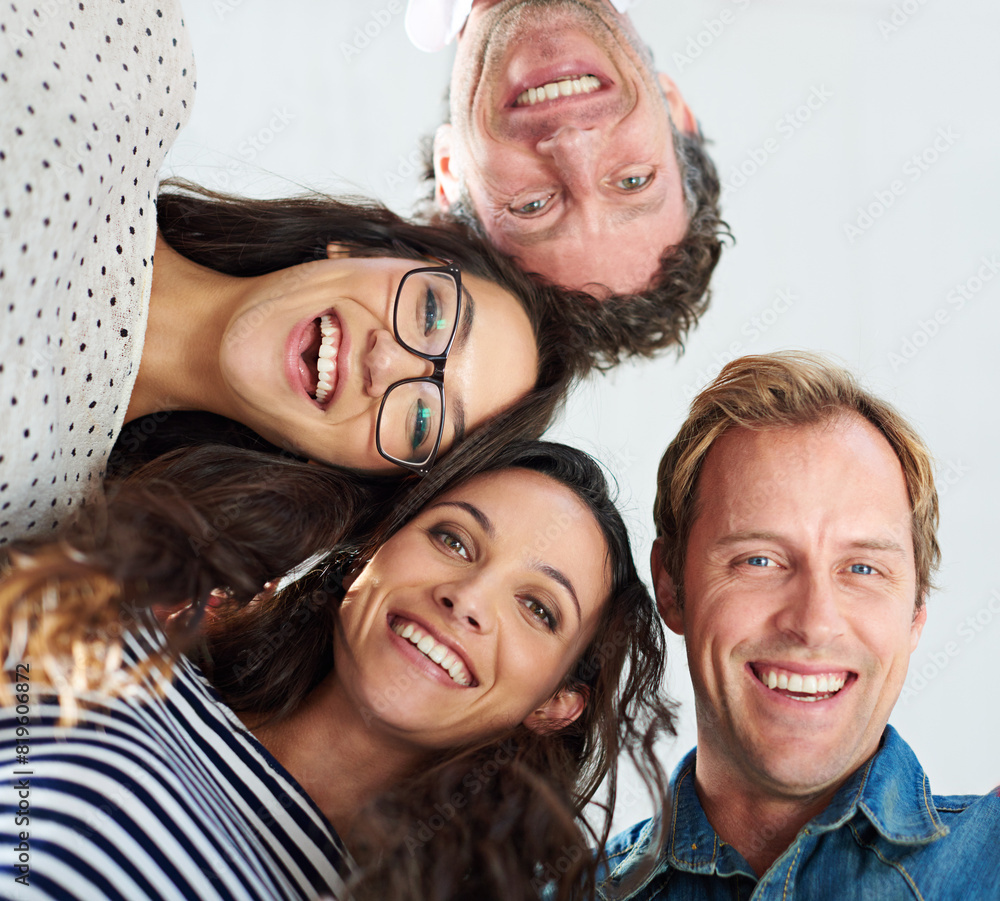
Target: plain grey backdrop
{"points": [[857, 141]]}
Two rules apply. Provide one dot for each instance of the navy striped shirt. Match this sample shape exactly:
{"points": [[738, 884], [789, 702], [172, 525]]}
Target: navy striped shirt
{"points": [[159, 795]]}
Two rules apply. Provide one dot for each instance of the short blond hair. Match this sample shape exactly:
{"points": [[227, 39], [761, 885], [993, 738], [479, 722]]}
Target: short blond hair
{"points": [[778, 390]]}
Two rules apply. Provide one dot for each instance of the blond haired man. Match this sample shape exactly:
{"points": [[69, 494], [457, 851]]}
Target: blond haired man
{"points": [[796, 516]]}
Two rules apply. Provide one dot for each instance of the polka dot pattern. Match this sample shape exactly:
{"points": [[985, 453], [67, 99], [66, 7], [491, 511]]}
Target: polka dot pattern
{"points": [[93, 95]]}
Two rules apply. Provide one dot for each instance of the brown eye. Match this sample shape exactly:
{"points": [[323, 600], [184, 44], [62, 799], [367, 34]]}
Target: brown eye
{"points": [[634, 182], [542, 613], [532, 207]]}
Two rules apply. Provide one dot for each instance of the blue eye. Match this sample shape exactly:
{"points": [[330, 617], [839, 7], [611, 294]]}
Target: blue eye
{"points": [[423, 417], [862, 569], [759, 561]]}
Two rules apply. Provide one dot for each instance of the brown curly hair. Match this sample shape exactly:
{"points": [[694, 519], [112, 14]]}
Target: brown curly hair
{"points": [[609, 329]]}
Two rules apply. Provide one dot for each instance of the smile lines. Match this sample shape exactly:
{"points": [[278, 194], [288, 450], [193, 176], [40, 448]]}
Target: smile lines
{"points": [[431, 648], [564, 87]]}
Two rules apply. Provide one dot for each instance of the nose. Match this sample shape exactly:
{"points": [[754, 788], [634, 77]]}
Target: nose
{"points": [[386, 361], [467, 601], [812, 615], [574, 152]]}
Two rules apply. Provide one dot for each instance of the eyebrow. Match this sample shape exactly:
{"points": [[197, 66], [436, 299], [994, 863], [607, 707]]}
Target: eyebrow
{"points": [[485, 523], [544, 568], [563, 580], [868, 544]]}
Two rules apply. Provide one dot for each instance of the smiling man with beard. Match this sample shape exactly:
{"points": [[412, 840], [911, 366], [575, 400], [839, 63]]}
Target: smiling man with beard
{"points": [[796, 518], [571, 154]]}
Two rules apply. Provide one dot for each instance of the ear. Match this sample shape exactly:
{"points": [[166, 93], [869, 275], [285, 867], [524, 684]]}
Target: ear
{"points": [[917, 626], [558, 711], [447, 187], [680, 112], [335, 251], [665, 590]]}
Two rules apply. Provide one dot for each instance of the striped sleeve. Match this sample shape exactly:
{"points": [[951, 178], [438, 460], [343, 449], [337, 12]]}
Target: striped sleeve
{"points": [[163, 795]]}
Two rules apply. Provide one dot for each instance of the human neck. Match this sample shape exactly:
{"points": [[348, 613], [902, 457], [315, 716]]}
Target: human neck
{"points": [[189, 306], [338, 758], [757, 823]]}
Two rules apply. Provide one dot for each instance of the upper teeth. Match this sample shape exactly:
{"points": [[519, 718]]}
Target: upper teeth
{"points": [[820, 684], [434, 650], [582, 84], [326, 362]]}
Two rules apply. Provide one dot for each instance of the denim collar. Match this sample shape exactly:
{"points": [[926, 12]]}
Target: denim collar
{"points": [[890, 790]]}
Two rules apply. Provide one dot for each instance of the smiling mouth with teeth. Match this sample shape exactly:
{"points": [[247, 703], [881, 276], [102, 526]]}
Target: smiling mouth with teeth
{"points": [[318, 358], [563, 87], [797, 687], [434, 651]]}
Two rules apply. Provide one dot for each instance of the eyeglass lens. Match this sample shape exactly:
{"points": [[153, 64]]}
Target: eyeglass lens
{"points": [[412, 415]]}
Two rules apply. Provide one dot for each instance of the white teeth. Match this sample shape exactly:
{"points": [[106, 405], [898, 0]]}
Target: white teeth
{"points": [[582, 84], [435, 651], [326, 361], [824, 684]]}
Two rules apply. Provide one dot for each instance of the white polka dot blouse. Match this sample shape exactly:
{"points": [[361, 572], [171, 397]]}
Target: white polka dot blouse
{"points": [[93, 94]]}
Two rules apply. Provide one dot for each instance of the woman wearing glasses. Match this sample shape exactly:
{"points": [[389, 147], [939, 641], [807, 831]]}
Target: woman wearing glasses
{"points": [[440, 711], [281, 317], [333, 330]]}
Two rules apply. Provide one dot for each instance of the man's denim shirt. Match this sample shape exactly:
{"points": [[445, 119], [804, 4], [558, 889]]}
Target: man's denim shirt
{"points": [[883, 836]]}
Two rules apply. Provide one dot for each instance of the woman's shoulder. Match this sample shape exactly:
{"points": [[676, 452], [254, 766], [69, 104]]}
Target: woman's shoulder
{"points": [[159, 791], [93, 96]]}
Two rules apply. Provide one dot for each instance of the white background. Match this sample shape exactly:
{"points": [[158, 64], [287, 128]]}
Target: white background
{"points": [[330, 107]]}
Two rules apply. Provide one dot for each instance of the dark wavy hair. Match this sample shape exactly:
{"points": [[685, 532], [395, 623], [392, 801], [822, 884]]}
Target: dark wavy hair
{"points": [[606, 331], [160, 541], [242, 236], [521, 825]]}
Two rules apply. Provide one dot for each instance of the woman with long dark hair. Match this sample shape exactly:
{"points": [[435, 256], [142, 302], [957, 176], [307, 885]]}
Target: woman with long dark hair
{"points": [[440, 702], [331, 329]]}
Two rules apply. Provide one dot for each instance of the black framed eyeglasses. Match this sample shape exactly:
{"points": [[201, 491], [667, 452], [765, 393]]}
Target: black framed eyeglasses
{"points": [[425, 319]]}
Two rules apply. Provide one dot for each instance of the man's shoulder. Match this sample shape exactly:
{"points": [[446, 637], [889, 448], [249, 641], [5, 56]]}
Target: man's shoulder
{"points": [[621, 846], [964, 811]]}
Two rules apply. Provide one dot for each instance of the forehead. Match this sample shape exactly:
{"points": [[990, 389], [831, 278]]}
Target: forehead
{"points": [[537, 520], [836, 477], [498, 363]]}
